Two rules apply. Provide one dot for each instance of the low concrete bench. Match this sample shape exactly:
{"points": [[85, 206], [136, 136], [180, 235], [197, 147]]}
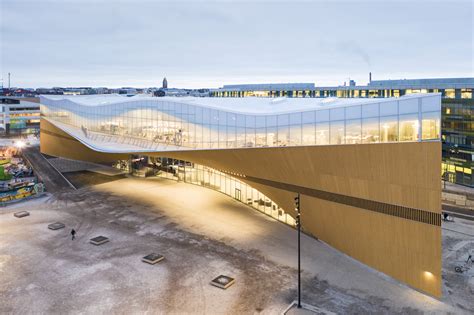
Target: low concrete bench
{"points": [[56, 226], [153, 258], [21, 214], [223, 282], [99, 240]]}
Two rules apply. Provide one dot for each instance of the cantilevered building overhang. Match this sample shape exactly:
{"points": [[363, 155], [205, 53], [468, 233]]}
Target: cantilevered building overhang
{"points": [[368, 170]]}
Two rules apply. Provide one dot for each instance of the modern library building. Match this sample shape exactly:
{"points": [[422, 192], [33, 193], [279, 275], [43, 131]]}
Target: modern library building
{"points": [[368, 170], [457, 102]]}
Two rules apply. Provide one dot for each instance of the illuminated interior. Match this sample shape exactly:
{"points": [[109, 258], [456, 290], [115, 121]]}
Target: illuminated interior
{"points": [[147, 122], [207, 177]]}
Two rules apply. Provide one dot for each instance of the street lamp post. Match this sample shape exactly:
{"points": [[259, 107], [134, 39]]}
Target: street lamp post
{"points": [[298, 224]]}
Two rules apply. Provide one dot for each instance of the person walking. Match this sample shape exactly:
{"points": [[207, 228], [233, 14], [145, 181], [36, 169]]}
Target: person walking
{"points": [[73, 234]]}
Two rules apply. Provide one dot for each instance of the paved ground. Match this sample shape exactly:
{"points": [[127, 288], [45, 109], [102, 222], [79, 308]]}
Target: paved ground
{"points": [[459, 212], [457, 189], [202, 233], [458, 243], [86, 178]]}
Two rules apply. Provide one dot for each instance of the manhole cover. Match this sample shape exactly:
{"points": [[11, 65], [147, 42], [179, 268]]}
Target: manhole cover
{"points": [[56, 226], [153, 258], [99, 240], [223, 282], [21, 214]]}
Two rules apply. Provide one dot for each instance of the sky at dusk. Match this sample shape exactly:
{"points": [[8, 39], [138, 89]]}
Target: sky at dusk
{"points": [[211, 43]]}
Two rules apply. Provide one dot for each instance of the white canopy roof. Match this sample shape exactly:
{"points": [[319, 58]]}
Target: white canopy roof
{"points": [[245, 105]]}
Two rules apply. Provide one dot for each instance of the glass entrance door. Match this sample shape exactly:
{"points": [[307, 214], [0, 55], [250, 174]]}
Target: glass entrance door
{"points": [[238, 194]]}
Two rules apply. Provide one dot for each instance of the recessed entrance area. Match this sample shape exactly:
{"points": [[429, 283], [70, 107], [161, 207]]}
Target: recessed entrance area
{"points": [[196, 174]]}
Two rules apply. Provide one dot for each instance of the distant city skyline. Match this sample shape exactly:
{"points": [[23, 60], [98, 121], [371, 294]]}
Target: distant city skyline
{"points": [[205, 44]]}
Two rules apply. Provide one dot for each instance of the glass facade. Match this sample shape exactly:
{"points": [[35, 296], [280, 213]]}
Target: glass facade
{"points": [[158, 124], [458, 141], [455, 127], [19, 117], [207, 177], [351, 92]]}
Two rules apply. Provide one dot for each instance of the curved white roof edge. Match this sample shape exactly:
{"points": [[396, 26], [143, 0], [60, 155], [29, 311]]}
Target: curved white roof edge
{"points": [[241, 105]]}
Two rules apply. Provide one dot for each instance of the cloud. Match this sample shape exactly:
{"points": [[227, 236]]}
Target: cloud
{"points": [[116, 43]]}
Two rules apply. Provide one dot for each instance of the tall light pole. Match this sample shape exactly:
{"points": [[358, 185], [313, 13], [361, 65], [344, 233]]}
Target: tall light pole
{"points": [[298, 224]]}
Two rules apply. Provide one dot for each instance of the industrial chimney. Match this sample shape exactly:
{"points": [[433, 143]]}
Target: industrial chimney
{"points": [[370, 77]]}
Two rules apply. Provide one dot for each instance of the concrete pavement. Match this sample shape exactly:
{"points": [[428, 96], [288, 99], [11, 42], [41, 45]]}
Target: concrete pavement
{"points": [[201, 233]]}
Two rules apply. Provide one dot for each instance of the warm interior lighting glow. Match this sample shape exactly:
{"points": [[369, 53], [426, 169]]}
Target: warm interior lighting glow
{"points": [[428, 275]]}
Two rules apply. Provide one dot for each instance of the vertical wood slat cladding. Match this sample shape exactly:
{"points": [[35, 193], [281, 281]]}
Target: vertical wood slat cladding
{"points": [[388, 209], [393, 174], [404, 249]]}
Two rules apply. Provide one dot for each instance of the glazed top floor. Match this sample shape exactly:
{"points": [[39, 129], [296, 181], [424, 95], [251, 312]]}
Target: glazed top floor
{"points": [[255, 106]]}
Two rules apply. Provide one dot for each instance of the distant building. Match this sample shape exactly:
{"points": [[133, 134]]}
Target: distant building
{"points": [[19, 92], [19, 116], [159, 93], [181, 92], [127, 91], [78, 91], [165, 83]]}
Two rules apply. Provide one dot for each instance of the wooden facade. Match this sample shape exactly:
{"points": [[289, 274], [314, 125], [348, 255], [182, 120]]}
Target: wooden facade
{"points": [[379, 203]]}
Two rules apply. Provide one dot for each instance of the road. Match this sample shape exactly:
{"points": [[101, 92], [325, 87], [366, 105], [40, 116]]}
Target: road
{"points": [[459, 212]]}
